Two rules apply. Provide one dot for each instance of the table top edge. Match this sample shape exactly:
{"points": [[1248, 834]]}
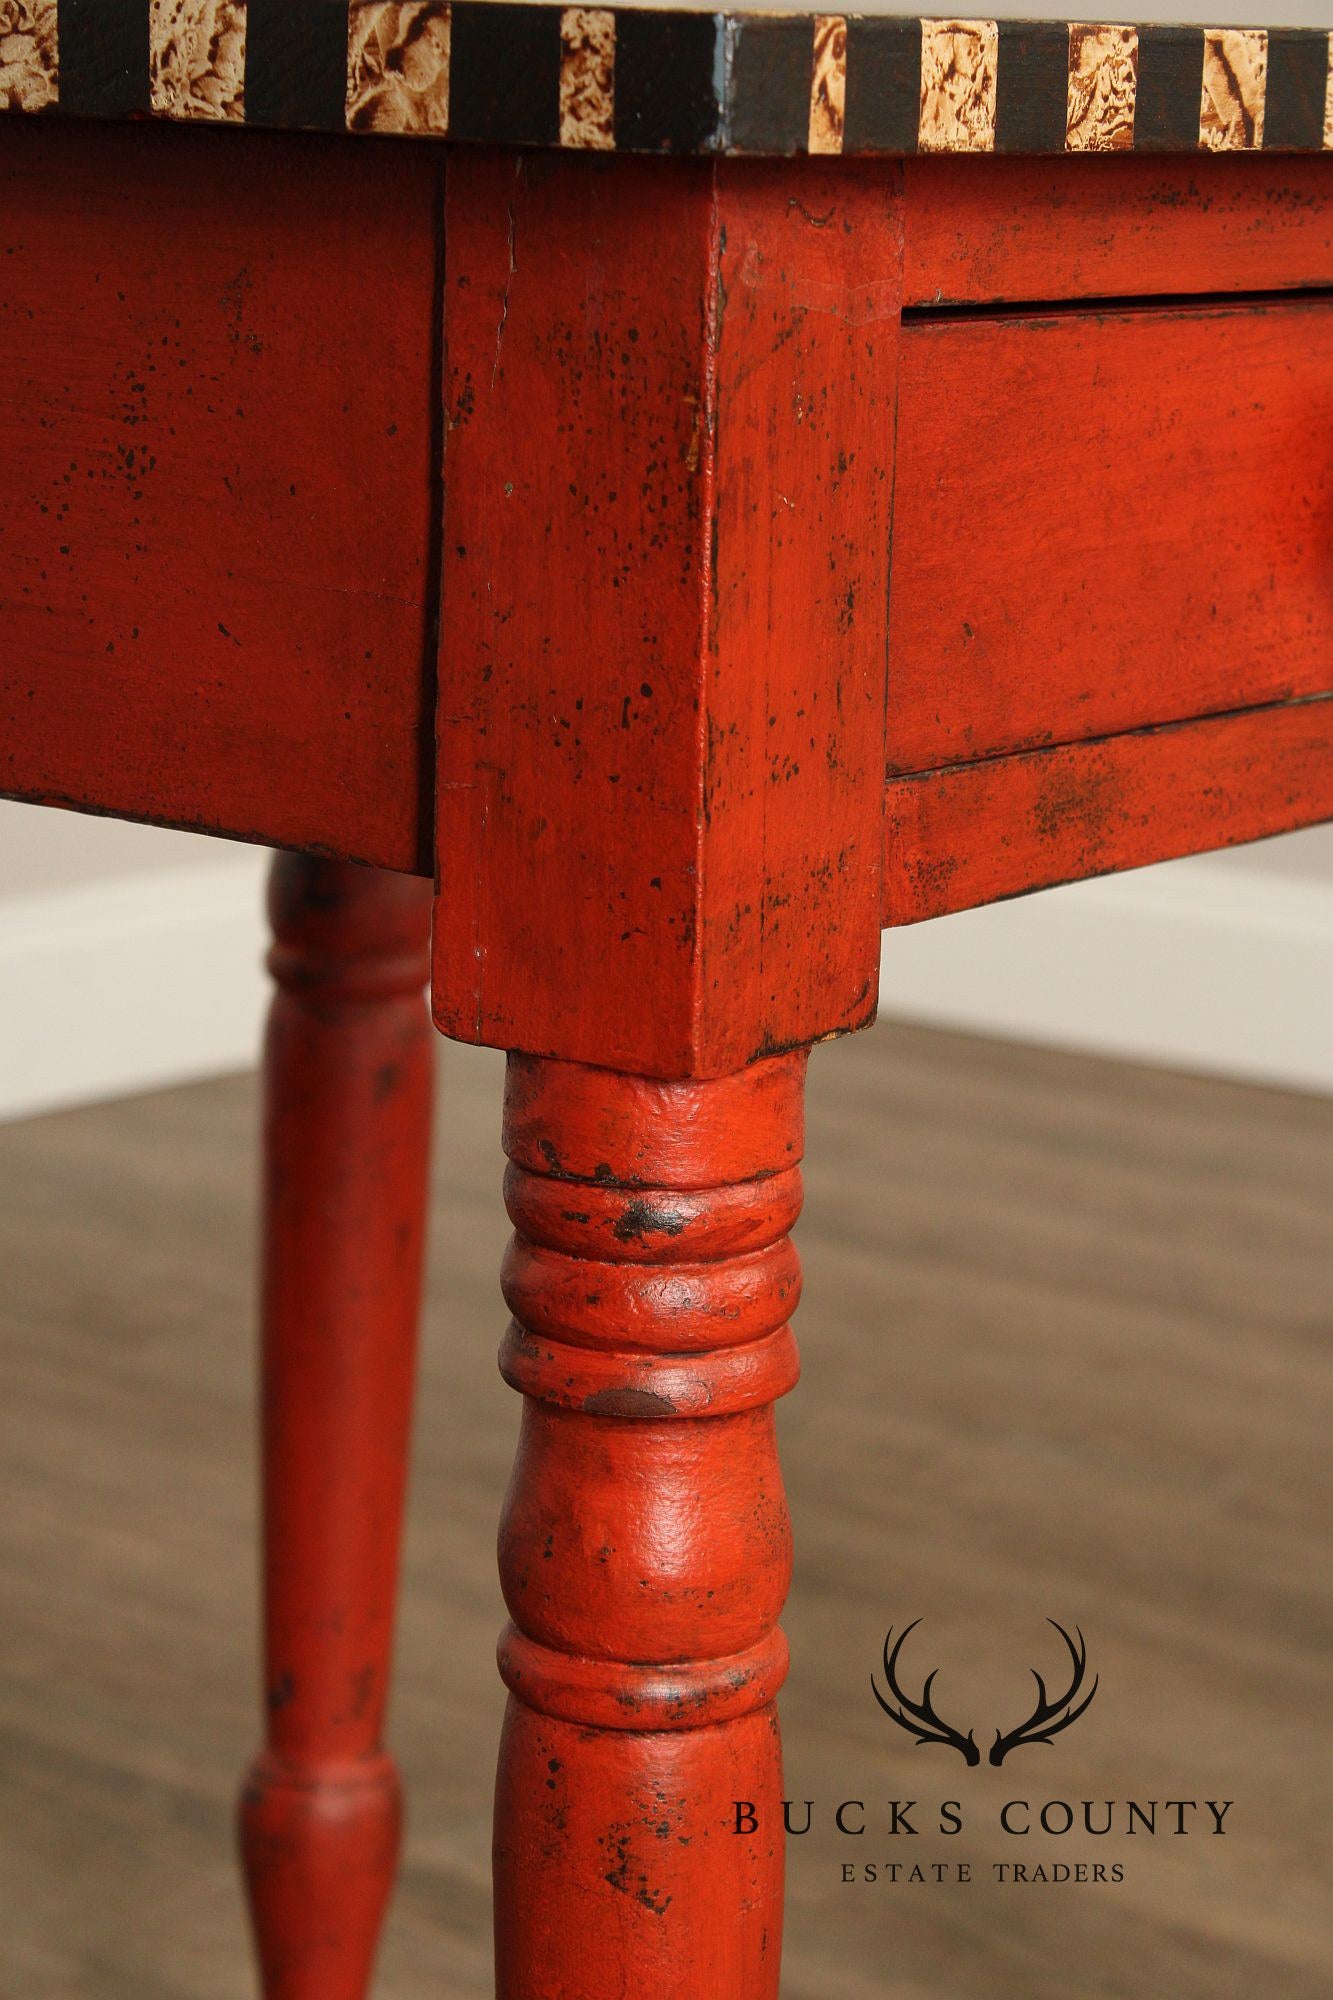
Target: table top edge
{"points": [[682, 81]]}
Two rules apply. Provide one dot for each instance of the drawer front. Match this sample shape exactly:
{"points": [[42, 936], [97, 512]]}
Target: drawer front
{"points": [[979, 832], [979, 228], [1107, 520]]}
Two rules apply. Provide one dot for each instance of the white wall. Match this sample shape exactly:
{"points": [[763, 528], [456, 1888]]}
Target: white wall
{"points": [[130, 958], [1221, 963]]}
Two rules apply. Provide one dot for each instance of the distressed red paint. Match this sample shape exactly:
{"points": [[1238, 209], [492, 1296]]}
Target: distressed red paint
{"points": [[981, 229], [1105, 520], [659, 827], [215, 513], [979, 832], [669, 409], [347, 1105], [645, 1548]]}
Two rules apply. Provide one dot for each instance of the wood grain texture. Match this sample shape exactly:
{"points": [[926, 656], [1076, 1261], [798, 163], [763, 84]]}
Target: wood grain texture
{"points": [[217, 483], [347, 1108], [645, 1548], [1106, 520], [1063, 1330], [975, 833], [984, 230], [660, 829]]}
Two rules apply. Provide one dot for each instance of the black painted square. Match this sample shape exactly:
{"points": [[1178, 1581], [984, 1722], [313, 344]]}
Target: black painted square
{"points": [[103, 57], [883, 85], [1032, 87], [296, 63], [1297, 82], [666, 82], [504, 74], [1170, 92], [772, 66]]}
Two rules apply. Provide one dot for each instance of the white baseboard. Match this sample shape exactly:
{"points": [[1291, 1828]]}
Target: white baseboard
{"points": [[130, 984], [1226, 970]]}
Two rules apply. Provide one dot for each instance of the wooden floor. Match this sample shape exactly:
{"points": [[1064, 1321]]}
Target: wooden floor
{"points": [[1066, 1344]]}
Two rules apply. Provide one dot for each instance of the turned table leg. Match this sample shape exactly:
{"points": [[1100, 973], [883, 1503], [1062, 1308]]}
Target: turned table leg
{"points": [[347, 1099], [645, 1545]]}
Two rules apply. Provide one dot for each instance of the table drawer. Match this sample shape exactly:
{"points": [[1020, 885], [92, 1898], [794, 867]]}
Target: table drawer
{"points": [[1105, 520], [979, 229]]}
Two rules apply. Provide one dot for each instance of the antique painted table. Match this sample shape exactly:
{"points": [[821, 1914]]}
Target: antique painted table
{"points": [[752, 481]]}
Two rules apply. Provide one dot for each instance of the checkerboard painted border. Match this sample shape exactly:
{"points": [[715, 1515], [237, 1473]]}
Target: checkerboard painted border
{"points": [[634, 80]]}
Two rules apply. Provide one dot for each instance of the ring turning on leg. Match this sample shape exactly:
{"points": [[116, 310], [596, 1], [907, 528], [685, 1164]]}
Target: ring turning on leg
{"points": [[645, 1547]]}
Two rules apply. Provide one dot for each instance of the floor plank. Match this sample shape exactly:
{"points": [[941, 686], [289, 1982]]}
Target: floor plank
{"points": [[1066, 1340]]}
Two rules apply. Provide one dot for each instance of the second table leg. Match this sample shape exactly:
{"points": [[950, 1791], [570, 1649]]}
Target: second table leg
{"points": [[347, 1106]]}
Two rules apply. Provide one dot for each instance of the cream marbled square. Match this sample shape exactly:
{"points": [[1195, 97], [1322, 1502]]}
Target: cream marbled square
{"points": [[1235, 79], [29, 55], [398, 66], [828, 84], [1103, 85], [196, 58], [588, 78], [1328, 101], [959, 63]]}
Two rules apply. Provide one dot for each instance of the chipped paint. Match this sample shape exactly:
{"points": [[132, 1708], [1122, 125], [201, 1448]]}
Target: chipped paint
{"points": [[642, 1527]]}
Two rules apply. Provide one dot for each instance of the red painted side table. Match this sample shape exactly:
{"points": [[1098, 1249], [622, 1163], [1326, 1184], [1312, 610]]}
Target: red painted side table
{"points": [[756, 480]]}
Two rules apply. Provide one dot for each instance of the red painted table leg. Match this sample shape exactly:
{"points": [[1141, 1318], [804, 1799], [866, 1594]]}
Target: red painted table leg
{"points": [[645, 1546], [347, 1069]]}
